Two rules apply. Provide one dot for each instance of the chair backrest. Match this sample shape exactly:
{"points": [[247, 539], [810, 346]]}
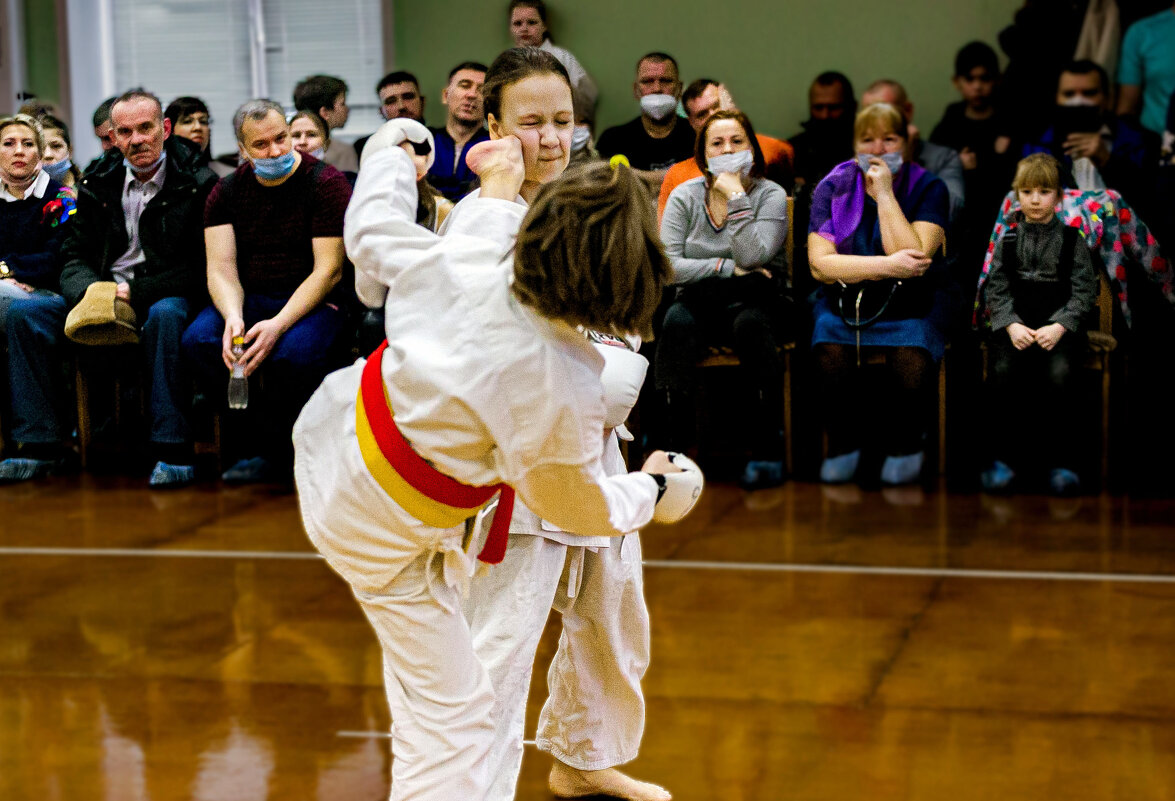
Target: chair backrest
{"points": [[789, 244], [1105, 304]]}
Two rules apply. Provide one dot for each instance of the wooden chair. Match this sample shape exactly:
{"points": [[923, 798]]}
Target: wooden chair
{"points": [[721, 356]]}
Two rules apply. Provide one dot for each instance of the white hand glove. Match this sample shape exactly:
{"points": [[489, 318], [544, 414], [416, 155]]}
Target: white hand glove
{"points": [[394, 132], [682, 490], [622, 377]]}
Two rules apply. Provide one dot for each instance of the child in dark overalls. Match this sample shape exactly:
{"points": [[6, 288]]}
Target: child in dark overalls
{"points": [[1040, 292]]}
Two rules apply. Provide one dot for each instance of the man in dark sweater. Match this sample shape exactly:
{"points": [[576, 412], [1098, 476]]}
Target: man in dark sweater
{"points": [[138, 225], [275, 252]]}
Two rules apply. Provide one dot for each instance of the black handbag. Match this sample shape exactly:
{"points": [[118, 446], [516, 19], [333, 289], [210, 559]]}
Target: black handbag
{"points": [[863, 304]]}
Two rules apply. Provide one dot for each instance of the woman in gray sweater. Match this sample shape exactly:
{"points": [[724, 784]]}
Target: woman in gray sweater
{"points": [[724, 234]]}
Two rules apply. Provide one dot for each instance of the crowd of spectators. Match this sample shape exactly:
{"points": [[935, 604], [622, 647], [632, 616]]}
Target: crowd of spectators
{"points": [[203, 264]]}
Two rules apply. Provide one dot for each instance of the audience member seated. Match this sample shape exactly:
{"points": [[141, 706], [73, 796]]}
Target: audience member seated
{"points": [[399, 96], [528, 27], [191, 121], [583, 145], [464, 128], [724, 233], [1040, 292], [943, 162], [103, 130], [1146, 70], [1111, 228], [877, 228], [701, 99], [970, 127], [1096, 150], [658, 138], [57, 160], [35, 210], [275, 251], [138, 226], [310, 136], [1042, 37], [327, 96], [1166, 181], [827, 138]]}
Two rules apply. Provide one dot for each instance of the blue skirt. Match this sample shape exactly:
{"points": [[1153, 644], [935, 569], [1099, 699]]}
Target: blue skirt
{"points": [[928, 333]]}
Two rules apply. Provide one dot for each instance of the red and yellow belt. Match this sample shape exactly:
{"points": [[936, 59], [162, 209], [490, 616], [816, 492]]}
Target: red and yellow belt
{"points": [[419, 488]]}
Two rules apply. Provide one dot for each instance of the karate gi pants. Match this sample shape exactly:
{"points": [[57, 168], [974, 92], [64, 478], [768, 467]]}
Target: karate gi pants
{"points": [[595, 713]]}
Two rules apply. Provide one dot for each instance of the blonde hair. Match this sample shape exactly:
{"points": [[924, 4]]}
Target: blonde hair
{"points": [[589, 252], [879, 118], [1038, 170], [31, 124]]}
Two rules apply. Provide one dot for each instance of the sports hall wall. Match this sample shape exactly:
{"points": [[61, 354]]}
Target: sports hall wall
{"points": [[767, 50]]}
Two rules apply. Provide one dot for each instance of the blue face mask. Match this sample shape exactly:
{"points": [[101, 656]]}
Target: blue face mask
{"points": [[892, 160], [58, 170], [272, 169]]}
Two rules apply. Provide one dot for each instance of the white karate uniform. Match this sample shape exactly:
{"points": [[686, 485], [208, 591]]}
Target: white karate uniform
{"points": [[487, 391], [595, 712]]}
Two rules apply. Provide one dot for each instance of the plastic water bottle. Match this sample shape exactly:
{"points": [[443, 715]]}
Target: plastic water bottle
{"points": [[238, 385]]}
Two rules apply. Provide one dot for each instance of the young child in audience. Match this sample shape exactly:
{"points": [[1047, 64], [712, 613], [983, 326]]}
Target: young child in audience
{"points": [[1041, 289], [970, 126]]}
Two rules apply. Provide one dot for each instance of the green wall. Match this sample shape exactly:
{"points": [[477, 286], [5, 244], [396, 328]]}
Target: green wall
{"points": [[767, 52], [40, 43]]}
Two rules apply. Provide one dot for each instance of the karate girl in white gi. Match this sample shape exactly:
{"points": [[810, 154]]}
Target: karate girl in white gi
{"points": [[486, 380], [594, 716]]}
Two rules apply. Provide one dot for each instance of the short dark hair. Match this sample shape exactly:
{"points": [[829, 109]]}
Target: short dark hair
{"points": [[318, 91], [182, 107], [537, 5], [102, 113], [510, 67], [976, 54], [589, 252], [399, 76], [1083, 66], [468, 65], [758, 162], [834, 78], [138, 93], [695, 89], [660, 58]]}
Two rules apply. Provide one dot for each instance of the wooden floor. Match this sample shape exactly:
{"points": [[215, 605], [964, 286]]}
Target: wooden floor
{"points": [[807, 644]]}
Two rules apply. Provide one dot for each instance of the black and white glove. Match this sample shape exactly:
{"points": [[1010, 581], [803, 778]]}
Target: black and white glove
{"points": [[679, 492]]}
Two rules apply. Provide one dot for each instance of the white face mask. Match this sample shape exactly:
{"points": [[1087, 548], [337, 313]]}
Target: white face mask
{"points": [[659, 107], [318, 153], [1078, 100], [580, 138], [738, 163]]}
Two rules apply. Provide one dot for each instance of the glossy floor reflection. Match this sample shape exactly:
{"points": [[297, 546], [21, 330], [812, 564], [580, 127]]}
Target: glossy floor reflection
{"points": [[143, 676]]}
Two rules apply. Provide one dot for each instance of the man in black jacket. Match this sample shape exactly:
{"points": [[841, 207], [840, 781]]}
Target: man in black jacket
{"points": [[140, 225]]}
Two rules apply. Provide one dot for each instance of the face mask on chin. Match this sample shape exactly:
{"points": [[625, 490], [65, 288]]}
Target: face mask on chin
{"points": [[892, 160], [658, 107], [127, 163], [318, 153], [59, 169]]}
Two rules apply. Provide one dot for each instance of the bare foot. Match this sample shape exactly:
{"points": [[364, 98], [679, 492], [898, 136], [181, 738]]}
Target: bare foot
{"points": [[567, 782]]}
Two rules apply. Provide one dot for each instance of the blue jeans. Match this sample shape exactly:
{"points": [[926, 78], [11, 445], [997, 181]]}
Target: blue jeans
{"points": [[292, 371], [36, 332]]}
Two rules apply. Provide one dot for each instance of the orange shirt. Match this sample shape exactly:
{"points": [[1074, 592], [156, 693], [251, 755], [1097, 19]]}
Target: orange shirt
{"points": [[778, 154]]}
